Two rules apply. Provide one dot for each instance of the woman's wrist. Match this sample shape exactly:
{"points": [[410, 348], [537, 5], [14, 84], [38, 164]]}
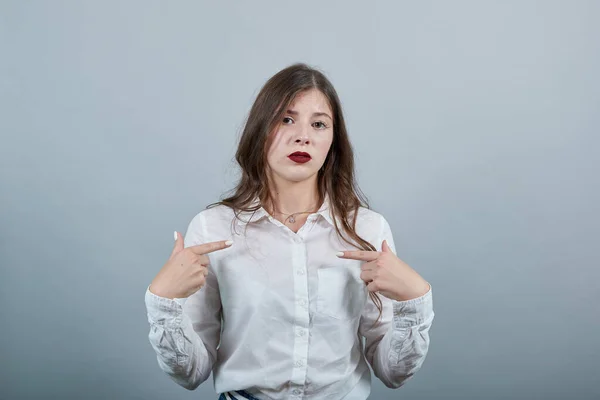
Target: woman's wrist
{"points": [[160, 292]]}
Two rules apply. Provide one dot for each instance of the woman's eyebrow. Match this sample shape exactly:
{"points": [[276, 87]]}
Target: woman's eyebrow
{"points": [[316, 114]]}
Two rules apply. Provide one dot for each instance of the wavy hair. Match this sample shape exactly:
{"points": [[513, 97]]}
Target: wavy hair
{"points": [[335, 178]]}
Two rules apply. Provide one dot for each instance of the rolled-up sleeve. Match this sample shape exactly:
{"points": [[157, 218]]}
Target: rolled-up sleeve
{"points": [[184, 333], [396, 346]]}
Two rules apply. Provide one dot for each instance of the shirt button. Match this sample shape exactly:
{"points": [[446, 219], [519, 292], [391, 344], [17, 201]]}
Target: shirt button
{"points": [[299, 363], [296, 392], [300, 332], [300, 272], [297, 240], [302, 302]]}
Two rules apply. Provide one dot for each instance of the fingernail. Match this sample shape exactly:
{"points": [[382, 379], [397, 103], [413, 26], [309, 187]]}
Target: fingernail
{"points": [[229, 242], [339, 253], [175, 234]]}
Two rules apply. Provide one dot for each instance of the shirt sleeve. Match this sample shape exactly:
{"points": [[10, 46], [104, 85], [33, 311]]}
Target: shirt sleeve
{"points": [[397, 345], [185, 333]]}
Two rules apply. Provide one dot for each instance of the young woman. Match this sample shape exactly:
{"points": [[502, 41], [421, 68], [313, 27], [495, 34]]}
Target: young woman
{"points": [[274, 288]]}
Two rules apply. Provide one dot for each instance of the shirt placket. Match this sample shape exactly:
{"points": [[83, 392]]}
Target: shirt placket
{"points": [[301, 320]]}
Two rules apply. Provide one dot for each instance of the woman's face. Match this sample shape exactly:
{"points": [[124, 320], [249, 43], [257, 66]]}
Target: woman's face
{"points": [[306, 127]]}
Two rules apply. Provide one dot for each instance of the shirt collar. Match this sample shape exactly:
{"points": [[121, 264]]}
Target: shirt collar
{"points": [[247, 217]]}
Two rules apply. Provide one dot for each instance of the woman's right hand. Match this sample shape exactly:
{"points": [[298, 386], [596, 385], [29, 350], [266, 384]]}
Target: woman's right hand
{"points": [[185, 271]]}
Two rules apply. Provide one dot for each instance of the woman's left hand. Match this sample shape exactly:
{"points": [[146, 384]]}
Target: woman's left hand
{"points": [[385, 273]]}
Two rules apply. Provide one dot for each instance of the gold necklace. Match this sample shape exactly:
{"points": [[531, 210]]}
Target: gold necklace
{"points": [[291, 216]]}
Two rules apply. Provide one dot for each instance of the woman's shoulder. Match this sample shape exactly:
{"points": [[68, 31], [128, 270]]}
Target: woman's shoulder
{"points": [[214, 220], [369, 219], [215, 212], [368, 214], [211, 215]]}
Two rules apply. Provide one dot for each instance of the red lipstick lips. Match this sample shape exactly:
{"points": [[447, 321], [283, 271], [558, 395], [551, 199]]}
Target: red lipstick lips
{"points": [[300, 157]]}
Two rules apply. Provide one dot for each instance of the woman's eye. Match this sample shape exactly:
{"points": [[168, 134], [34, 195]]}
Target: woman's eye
{"points": [[318, 124]]}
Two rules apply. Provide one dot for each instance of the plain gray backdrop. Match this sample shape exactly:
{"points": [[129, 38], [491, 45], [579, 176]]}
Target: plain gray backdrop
{"points": [[475, 127]]}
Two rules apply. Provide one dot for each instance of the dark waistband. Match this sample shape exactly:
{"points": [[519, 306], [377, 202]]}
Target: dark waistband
{"points": [[237, 394]]}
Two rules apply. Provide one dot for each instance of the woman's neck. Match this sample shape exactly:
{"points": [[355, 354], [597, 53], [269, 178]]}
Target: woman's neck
{"points": [[295, 197]]}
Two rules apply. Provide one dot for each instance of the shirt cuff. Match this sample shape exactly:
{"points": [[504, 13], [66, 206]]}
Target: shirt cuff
{"points": [[163, 311], [180, 300], [413, 312]]}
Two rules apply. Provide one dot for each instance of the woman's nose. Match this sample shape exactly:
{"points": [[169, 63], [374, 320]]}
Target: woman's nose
{"points": [[302, 135]]}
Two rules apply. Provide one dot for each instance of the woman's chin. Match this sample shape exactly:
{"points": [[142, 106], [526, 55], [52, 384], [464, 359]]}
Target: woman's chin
{"points": [[297, 178], [296, 174]]}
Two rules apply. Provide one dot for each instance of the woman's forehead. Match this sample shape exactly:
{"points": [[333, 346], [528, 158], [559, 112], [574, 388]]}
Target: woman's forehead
{"points": [[312, 98]]}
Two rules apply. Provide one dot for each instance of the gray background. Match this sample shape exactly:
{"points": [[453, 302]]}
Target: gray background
{"points": [[475, 126]]}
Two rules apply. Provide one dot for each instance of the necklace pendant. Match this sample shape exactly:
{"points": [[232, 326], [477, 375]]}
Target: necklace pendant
{"points": [[292, 219]]}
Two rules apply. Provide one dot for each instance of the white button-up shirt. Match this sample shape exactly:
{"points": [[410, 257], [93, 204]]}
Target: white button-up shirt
{"points": [[282, 317]]}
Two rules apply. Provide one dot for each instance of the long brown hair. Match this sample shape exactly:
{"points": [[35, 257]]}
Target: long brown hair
{"points": [[335, 178]]}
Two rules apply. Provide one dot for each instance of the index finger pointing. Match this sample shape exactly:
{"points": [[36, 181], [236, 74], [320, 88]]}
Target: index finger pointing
{"points": [[206, 248], [359, 255]]}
